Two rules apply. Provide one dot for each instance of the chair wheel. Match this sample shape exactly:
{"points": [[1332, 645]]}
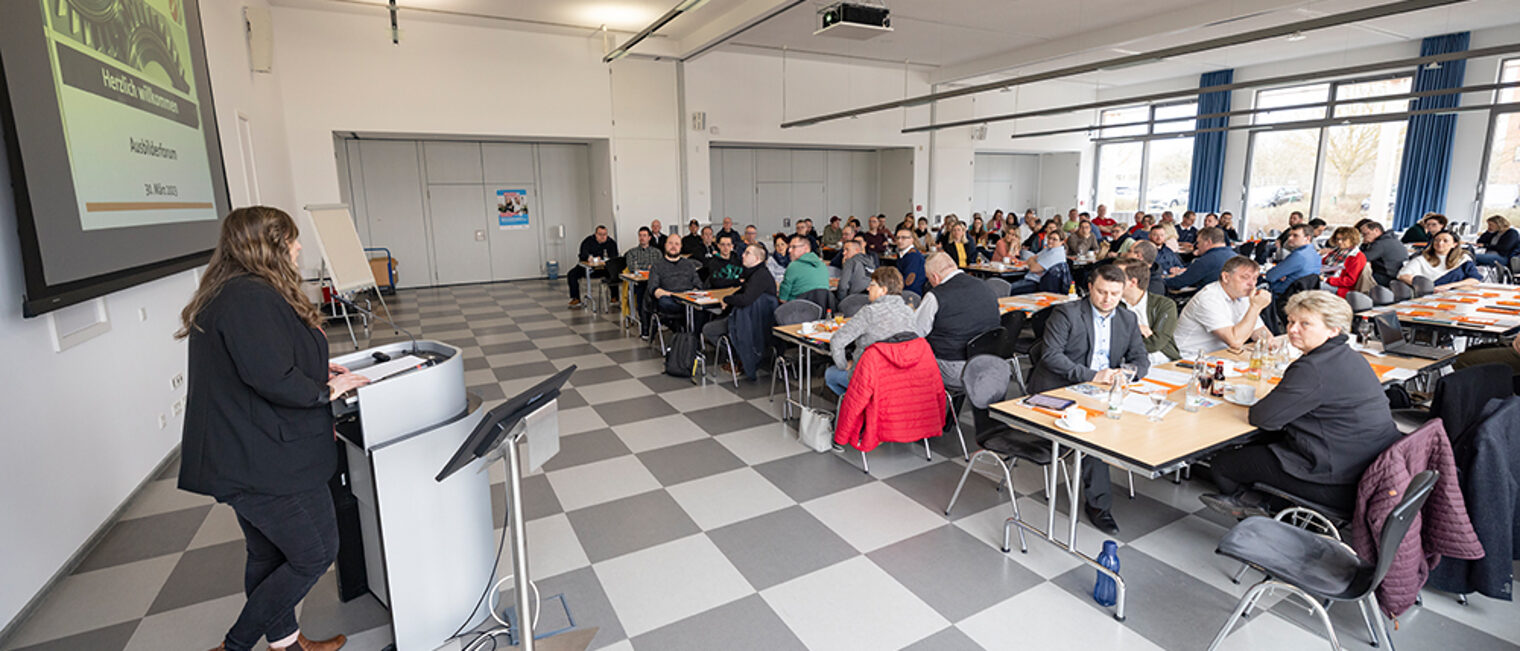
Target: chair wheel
{"points": [[1006, 550], [1119, 617]]}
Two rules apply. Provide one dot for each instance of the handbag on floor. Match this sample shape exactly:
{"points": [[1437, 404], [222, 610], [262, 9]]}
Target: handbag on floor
{"points": [[815, 429]]}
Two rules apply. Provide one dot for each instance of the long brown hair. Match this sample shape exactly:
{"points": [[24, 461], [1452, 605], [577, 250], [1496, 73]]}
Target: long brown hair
{"points": [[1453, 257], [255, 241]]}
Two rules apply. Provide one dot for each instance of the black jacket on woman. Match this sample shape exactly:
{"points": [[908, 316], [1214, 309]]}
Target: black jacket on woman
{"points": [[1332, 412], [257, 418]]}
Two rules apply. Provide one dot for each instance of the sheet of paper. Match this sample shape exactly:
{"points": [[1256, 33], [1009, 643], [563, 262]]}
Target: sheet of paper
{"points": [[1140, 403], [384, 370], [1399, 375], [1168, 376]]}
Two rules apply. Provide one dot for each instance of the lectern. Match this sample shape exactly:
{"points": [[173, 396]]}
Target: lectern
{"points": [[427, 546]]}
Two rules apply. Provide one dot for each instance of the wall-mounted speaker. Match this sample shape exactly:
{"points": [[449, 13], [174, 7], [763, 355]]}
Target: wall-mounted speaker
{"points": [[260, 38]]}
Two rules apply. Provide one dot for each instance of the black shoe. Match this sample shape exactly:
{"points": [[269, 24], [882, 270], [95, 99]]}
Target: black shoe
{"points": [[1103, 519], [1239, 507]]}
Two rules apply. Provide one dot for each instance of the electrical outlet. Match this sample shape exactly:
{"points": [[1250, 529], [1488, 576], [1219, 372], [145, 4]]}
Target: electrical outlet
{"points": [[177, 381], [163, 421], [178, 407]]}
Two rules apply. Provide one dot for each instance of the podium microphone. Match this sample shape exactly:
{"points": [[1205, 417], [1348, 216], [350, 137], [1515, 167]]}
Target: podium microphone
{"points": [[372, 313]]}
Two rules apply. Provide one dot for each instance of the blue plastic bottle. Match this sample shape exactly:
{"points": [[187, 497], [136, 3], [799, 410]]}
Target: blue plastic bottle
{"points": [[1105, 592]]}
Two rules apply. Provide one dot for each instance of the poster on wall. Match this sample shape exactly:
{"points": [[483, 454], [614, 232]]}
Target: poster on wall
{"points": [[512, 209]]}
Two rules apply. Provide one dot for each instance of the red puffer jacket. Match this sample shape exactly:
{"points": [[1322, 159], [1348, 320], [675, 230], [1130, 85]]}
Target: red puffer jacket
{"points": [[895, 396]]}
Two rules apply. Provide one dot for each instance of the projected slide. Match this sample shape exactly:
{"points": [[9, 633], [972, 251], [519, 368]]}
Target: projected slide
{"points": [[127, 102]]}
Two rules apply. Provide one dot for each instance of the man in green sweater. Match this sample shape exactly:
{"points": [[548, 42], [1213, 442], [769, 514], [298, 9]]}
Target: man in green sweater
{"points": [[806, 273]]}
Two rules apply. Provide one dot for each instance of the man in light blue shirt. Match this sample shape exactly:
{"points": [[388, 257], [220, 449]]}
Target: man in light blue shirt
{"points": [[1302, 261], [1103, 335]]}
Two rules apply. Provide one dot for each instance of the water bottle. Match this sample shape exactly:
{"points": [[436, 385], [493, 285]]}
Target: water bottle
{"points": [[1105, 592], [1116, 398]]}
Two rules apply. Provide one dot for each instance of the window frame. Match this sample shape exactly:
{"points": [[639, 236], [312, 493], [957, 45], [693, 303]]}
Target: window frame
{"points": [[1481, 196]]}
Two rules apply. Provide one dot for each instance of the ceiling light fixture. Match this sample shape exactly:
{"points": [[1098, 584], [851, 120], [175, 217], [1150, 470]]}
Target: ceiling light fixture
{"points": [[622, 50]]}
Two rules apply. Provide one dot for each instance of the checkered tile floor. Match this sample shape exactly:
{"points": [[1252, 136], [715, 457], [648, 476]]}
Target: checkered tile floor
{"points": [[688, 517]]}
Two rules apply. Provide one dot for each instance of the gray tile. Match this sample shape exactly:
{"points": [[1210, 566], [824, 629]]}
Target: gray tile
{"points": [[627, 525], [807, 476], [509, 347], [621, 412], [530, 318], [687, 461], [155, 535], [202, 575], [588, 603], [760, 388], [589, 376], [956, 574], [950, 639], [545, 331], [662, 383], [323, 615], [571, 399], [1418, 628], [932, 486], [475, 363], [488, 392], [109, 638], [1164, 604], [748, 624], [574, 350], [587, 447], [777, 547], [522, 371], [730, 418], [633, 355], [539, 499]]}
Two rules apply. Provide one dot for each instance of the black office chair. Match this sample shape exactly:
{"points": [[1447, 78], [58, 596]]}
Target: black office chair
{"points": [[852, 304], [999, 287], [1458, 399], [1423, 286], [986, 380], [1319, 568], [1013, 323], [987, 344], [1278, 321]]}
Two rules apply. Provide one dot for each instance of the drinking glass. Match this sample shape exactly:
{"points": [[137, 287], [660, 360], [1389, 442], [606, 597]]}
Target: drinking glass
{"points": [[1158, 402], [1129, 371]]}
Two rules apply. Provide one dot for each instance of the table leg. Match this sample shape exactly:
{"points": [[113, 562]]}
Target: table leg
{"points": [[1074, 489], [805, 376], [1050, 490]]}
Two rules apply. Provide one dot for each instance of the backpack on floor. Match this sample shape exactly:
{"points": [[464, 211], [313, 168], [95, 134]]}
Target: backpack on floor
{"points": [[681, 357]]}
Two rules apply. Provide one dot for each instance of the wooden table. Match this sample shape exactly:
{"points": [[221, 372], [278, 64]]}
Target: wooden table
{"points": [[1031, 303], [702, 299], [1485, 310], [632, 281], [1137, 445], [817, 342], [987, 269]]}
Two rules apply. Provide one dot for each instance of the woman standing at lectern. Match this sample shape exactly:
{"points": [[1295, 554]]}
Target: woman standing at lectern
{"points": [[258, 429]]}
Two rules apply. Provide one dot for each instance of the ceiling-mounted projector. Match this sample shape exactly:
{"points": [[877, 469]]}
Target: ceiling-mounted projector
{"points": [[853, 20]]}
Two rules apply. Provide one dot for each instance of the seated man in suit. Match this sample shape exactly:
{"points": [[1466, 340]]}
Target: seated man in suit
{"points": [[1087, 341]]}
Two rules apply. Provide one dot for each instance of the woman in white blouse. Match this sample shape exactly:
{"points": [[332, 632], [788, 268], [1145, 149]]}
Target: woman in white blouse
{"points": [[1443, 262]]}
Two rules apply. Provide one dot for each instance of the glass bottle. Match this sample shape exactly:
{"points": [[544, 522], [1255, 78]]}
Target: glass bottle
{"points": [[1116, 398]]}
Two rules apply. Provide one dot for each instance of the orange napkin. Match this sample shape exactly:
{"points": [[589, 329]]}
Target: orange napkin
{"points": [[1476, 320], [1509, 303], [1496, 311], [1091, 413], [1444, 306], [1419, 313], [1169, 386], [1380, 369]]}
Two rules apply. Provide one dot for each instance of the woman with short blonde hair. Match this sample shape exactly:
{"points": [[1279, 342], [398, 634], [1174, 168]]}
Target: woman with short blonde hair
{"points": [[1328, 411], [1499, 244]]}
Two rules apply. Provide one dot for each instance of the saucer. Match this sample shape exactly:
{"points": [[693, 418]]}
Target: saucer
{"points": [[1063, 424], [1229, 397]]}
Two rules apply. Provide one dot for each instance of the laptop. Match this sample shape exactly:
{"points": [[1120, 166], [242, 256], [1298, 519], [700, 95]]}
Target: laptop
{"points": [[1392, 335]]}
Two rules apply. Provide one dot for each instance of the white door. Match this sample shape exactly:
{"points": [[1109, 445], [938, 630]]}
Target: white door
{"points": [[461, 245], [515, 250], [773, 205], [393, 207]]}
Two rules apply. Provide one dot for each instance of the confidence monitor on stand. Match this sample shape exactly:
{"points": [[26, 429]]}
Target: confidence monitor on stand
{"points": [[533, 416]]}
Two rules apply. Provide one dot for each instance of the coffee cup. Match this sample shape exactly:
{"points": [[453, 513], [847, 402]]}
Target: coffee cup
{"points": [[1244, 393], [808, 328], [1075, 417]]}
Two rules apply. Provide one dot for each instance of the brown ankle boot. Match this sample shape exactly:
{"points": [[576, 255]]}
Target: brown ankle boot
{"points": [[304, 643]]}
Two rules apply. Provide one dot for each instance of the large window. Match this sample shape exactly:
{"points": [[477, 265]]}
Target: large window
{"points": [[1501, 184], [1145, 168], [1340, 173], [1119, 175]]}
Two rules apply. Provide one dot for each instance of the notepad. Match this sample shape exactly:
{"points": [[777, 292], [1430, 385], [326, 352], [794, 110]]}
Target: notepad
{"points": [[384, 370]]}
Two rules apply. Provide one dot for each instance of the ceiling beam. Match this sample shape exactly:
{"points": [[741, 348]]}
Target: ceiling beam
{"points": [[736, 21], [1254, 83], [1277, 31]]}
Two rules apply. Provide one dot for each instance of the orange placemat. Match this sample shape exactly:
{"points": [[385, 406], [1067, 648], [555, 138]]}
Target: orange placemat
{"points": [[1509, 303], [1091, 413], [1419, 313], [1380, 369], [1476, 320], [1496, 311], [1444, 306]]}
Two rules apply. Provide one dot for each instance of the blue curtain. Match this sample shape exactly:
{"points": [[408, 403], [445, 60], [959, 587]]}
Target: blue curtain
{"points": [[1426, 168], [1207, 181]]}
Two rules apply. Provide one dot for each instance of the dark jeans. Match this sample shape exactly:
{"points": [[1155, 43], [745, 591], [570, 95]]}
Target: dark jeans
{"points": [[1235, 470], [575, 277], [291, 539]]}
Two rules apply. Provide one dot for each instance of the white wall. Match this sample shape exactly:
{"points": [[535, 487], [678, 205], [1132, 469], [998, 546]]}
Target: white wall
{"points": [[1471, 133], [1007, 182], [81, 429], [791, 184]]}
